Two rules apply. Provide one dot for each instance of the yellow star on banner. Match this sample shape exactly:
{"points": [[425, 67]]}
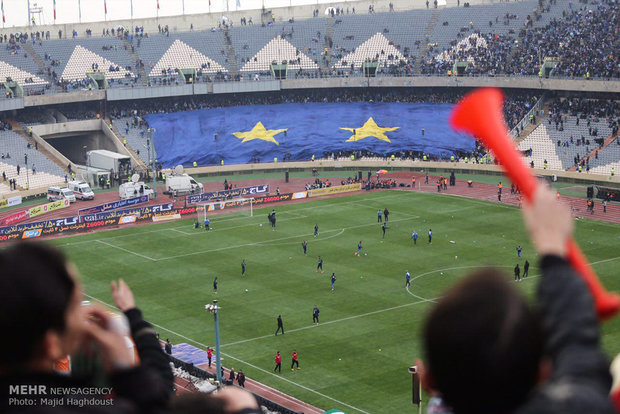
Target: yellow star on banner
{"points": [[259, 132], [370, 129]]}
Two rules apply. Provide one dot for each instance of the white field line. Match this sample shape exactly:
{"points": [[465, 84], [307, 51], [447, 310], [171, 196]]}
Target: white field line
{"points": [[193, 233], [243, 362], [481, 266], [442, 270], [391, 211], [126, 250], [422, 300], [348, 318], [333, 236], [268, 241], [135, 234]]}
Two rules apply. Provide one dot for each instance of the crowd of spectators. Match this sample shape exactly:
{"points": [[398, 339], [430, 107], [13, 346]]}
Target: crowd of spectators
{"points": [[584, 41], [516, 107], [589, 112]]}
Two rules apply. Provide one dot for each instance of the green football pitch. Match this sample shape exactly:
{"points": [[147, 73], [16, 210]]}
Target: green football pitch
{"points": [[356, 359]]}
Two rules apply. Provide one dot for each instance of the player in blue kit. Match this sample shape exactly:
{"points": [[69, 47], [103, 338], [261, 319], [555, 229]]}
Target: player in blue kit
{"points": [[359, 249]]}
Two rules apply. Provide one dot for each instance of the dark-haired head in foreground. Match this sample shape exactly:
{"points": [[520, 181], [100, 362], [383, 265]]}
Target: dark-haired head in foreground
{"points": [[40, 308], [484, 345], [483, 342]]}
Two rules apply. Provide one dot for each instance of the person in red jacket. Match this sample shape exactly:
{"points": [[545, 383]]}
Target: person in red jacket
{"points": [[209, 355], [294, 361], [278, 360]]}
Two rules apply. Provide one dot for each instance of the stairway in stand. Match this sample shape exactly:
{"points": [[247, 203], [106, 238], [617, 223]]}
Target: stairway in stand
{"points": [[134, 58], [233, 68], [40, 63], [325, 63], [432, 23]]}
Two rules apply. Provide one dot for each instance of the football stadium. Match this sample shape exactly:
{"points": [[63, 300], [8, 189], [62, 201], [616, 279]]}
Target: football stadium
{"points": [[415, 204]]}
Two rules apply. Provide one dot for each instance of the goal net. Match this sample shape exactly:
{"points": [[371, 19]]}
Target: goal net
{"points": [[237, 206]]}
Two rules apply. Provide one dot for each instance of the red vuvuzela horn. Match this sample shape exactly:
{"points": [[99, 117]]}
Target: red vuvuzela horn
{"points": [[480, 114]]}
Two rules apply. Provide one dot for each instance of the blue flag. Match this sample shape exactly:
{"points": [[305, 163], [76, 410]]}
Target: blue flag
{"points": [[238, 134]]}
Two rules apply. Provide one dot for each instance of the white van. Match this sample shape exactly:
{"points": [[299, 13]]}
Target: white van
{"points": [[81, 189], [182, 184], [134, 189], [57, 193]]}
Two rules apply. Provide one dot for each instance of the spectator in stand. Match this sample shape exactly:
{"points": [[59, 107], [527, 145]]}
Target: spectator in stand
{"points": [[43, 293], [517, 360]]}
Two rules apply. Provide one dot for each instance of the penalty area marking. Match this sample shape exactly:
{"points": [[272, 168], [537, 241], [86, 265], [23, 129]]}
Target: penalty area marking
{"points": [[315, 241], [266, 242], [292, 212], [126, 250]]}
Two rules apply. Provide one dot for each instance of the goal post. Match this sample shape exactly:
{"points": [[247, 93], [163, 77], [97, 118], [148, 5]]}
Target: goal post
{"points": [[241, 206]]}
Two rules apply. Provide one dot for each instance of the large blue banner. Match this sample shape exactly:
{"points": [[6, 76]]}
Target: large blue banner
{"points": [[301, 130]]}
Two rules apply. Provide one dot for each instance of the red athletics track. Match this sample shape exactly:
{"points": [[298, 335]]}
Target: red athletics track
{"points": [[479, 191], [488, 192]]}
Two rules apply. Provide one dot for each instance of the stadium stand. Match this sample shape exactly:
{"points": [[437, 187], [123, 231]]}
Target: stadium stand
{"points": [[136, 137], [573, 129], [519, 34], [607, 159], [377, 49], [160, 50], [68, 61], [182, 56], [356, 38], [542, 149], [41, 171], [502, 18], [504, 38], [256, 47], [574, 141], [279, 50]]}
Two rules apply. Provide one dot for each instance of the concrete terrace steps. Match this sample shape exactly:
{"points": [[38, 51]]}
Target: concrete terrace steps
{"points": [[233, 68], [592, 153], [41, 149], [432, 23], [41, 65], [329, 32], [121, 137], [37, 59], [35, 56], [135, 58], [531, 127]]}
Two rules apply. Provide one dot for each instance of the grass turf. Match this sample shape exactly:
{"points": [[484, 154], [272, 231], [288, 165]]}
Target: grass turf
{"points": [[357, 358]]}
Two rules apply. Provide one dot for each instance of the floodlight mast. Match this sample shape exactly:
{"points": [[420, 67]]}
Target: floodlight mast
{"points": [[218, 361], [152, 157]]}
